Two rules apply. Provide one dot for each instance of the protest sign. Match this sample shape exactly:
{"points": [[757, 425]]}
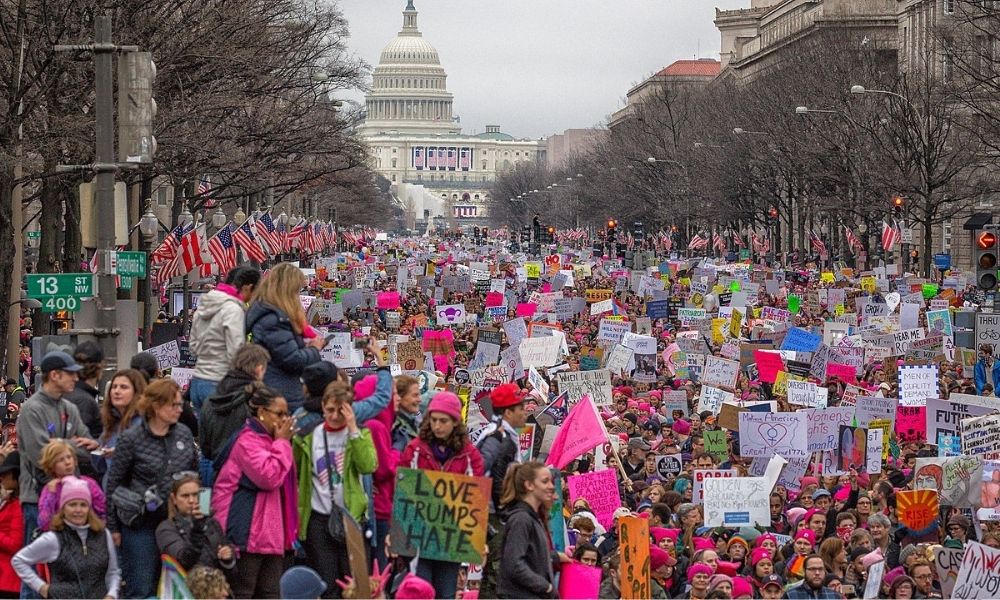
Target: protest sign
{"points": [[871, 408], [540, 351], [440, 515], [669, 465], [577, 384], [944, 417], [768, 434], [180, 375], [510, 359], [804, 393], [979, 574], [824, 426], [873, 452], [947, 562], [800, 340], [526, 440], [712, 399], [633, 546], [957, 479], [917, 383], [720, 372], [451, 314], [578, 581], [769, 364], [600, 488], [736, 501], [716, 444], [167, 355], [700, 475], [911, 424], [875, 574], [675, 400], [853, 451], [619, 359], [516, 331], [981, 436], [612, 331]]}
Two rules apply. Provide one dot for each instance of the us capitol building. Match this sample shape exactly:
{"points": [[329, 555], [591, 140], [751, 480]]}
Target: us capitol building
{"points": [[440, 175]]}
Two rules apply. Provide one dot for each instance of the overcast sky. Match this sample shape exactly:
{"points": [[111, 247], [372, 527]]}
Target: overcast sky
{"points": [[538, 67]]}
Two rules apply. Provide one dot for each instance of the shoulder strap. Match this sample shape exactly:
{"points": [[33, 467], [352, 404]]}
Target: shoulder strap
{"points": [[329, 469]]}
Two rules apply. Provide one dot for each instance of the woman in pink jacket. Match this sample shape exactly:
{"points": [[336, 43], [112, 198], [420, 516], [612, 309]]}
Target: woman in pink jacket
{"points": [[442, 445], [255, 497]]}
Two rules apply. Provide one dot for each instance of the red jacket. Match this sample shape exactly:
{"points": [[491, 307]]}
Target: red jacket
{"points": [[11, 540], [418, 454]]}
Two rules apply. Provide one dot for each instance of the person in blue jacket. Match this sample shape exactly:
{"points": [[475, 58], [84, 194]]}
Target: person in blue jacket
{"points": [[987, 363], [277, 322]]}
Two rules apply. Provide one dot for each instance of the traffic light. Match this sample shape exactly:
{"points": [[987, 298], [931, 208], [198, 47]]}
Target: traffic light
{"points": [[551, 231], [475, 234], [612, 228], [986, 260], [136, 107], [638, 231], [897, 206], [772, 216]]}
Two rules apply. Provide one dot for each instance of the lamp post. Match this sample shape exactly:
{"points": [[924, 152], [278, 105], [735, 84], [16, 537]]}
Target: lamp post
{"points": [[149, 225]]}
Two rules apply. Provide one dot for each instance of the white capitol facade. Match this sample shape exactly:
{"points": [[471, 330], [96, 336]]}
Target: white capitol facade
{"points": [[416, 143]]}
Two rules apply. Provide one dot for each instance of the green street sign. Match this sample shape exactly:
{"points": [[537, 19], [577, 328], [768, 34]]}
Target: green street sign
{"points": [[744, 255], [61, 285], [58, 303], [34, 235], [125, 282], [131, 264]]}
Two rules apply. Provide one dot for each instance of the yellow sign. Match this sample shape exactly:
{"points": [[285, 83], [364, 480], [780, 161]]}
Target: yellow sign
{"points": [[885, 425], [781, 383], [582, 271], [838, 310], [618, 318], [533, 270], [735, 324], [717, 326], [868, 284], [827, 277], [596, 295]]}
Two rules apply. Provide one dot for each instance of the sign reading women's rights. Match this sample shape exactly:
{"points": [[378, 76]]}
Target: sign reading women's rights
{"points": [[440, 516]]}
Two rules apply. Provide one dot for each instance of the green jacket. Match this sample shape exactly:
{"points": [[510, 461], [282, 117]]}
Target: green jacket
{"points": [[359, 459]]}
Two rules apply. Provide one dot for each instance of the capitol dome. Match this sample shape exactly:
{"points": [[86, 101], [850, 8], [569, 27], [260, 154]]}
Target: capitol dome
{"points": [[409, 86]]}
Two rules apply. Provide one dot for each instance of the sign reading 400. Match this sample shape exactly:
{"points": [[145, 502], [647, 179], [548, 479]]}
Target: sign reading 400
{"points": [[61, 291]]}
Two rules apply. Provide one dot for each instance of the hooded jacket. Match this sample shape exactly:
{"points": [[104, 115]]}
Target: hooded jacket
{"points": [[271, 328], [217, 332], [526, 558], [221, 417]]}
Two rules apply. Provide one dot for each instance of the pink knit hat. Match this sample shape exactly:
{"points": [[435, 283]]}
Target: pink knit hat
{"points": [[806, 534], [742, 588], [701, 543], [365, 387], [74, 488], [697, 568], [757, 543], [447, 403], [415, 588], [759, 554]]}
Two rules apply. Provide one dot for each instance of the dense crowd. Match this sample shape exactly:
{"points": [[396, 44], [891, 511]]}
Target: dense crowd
{"points": [[271, 470]]}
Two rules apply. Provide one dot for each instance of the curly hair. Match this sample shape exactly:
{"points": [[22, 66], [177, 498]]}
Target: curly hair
{"points": [[455, 442]]}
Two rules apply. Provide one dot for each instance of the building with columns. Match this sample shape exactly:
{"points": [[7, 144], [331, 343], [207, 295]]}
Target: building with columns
{"points": [[416, 142]]}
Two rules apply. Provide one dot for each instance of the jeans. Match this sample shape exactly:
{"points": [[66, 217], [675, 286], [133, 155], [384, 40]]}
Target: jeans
{"points": [[442, 575], [325, 556], [199, 391], [29, 513], [140, 561], [381, 531], [258, 575]]}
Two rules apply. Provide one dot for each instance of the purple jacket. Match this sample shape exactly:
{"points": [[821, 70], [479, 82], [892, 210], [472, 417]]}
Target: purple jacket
{"points": [[48, 502], [255, 495]]}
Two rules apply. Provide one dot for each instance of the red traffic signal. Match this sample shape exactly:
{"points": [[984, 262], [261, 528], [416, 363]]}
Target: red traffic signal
{"points": [[897, 202], [612, 223], [772, 212], [986, 240]]}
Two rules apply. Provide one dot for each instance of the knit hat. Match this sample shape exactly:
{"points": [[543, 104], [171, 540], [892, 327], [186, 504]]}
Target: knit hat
{"points": [[681, 427], [317, 376], [872, 557], [813, 512], [807, 481], [697, 568], [621, 511], [727, 568], [806, 534], [74, 488], [658, 557], [447, 403], [717, 580], [302, 583], [738, 540], [763, 538], [892, 575], [742, 588], [795, 515], [659, 533], [415, 588], [842, 493], [702, 543], [758, 555], [365, 387]]}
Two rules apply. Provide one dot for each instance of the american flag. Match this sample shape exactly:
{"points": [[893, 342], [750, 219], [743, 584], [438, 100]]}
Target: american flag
{"points": [[629, 241], [295, 235], [268, 233], [665, 241], [852, 240], [890, 235], [817, 242], [223, 250], [331, 235], [698, 242], [204, 187], [167, 249], [190, 255], [738, 240], [718, 242], [247, 241], [309, 241]]}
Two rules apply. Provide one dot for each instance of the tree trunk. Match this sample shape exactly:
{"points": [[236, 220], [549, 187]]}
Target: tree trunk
{"points": [[925, 259], [7, 251], [73, 239]]}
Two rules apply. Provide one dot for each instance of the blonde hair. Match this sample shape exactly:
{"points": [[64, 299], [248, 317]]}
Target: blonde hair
{"points": [[51, 453], [280, 288], [58, 522]]}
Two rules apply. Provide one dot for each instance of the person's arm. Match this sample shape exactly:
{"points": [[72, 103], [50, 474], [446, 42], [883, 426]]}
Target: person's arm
{"points": [[113, 576], [233, 330], [43, 550], [514, 560], [48, 504], [266, 466], [120, 473], [370, 407], [282, 343], [12, 536], [363, 452], [170, 541]]}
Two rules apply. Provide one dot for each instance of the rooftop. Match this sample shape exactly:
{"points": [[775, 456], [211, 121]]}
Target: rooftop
{"points": [[704, 67]]}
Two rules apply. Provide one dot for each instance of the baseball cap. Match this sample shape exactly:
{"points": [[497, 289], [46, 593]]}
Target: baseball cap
{"points": [[771, 579], [820, 493], [59, 361], [506, 395], [638, 444]]}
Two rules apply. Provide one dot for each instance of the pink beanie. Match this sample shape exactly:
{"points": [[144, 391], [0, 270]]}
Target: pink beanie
{"points": [[872, 557], [74, 488], [809, 480], [697, 568], [415, 588], [365, 387], [842, 494], [447, 403], [757, 543], [681, 427], [806, 534], [758, 555], [701, 543], [742, 588], [795, 515]]}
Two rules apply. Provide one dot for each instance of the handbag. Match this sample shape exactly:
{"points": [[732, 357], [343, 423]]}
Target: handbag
{"points": [[129, 504], [335, 522]]}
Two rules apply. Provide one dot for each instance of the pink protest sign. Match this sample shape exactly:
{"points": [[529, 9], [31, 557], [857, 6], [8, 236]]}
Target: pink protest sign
{"points": [[494, 299], [768, 365], [600, 488], [844, 372], [526, 309], [387, 300], [911, 423], [579, 582]]}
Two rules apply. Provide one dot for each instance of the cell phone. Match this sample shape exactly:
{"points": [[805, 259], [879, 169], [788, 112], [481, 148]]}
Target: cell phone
{"points": [[361, 343], [329, 338], [205, 500]]}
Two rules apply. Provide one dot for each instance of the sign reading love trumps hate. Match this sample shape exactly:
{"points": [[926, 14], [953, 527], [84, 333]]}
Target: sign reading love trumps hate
{"points": [[764, 434], [440, 516]]}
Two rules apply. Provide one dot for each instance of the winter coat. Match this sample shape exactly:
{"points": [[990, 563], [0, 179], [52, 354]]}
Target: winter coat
{"points": [[193, 542], [499, 451], [43, 418], [143, 460], [83, 563], [85, 397], [254, 497], [217, 332], [527, 559], [404, 428], [222, 415], [359, 459], [384, 477], [11, 540], [981, 379], [271, 328], [419, 455]]}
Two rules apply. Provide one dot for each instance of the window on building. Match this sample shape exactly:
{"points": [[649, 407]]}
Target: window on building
{"points": [[949, 6], [947, 68], [394, 178], [394, 163], [393, 150], [484, 165], [161, 196]]}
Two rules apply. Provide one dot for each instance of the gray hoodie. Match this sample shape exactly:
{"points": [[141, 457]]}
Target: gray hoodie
{"points": [[217, 333], [43, 418]]}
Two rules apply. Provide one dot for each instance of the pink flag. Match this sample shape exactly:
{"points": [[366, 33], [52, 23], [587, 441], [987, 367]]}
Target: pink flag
{"points": [[581, 432], [387, 300]]}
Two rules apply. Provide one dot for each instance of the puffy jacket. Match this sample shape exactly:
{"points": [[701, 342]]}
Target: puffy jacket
{"points": [[217, 332], [144, 459], [11, 540], [418, 455], [981, 378], [499, 451], [254, 498], [526, 557], [221, 417], [271, 328], [193, 542], [359, 459], [85, 397]]}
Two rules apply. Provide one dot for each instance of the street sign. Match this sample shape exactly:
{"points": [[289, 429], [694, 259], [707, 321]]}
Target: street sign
{"points": [[132, 264], [59, 303], [907, 235], [61, 285], [126, 282], [942, 261], [34, 235]]}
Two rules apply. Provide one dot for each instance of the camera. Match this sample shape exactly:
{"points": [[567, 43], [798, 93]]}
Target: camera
{"points": [[361, 343]]}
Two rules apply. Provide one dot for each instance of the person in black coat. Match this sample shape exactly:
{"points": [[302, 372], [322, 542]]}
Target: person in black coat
{"points": [[191, 537], [527, 558]]}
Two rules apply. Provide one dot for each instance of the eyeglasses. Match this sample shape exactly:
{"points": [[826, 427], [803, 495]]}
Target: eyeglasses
{"points": [[184, 475], [924, 576], [280, 414]]}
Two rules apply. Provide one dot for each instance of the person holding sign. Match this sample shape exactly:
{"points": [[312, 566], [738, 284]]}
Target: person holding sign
{"points": [[527, 557], [442, 445]]}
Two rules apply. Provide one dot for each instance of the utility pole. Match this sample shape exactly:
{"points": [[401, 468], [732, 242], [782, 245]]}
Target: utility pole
{"points": [[105, 167]]}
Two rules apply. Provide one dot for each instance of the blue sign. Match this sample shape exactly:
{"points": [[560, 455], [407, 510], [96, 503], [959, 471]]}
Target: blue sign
{"points": [[733, 519], [942, 261], [800, 340], [657, 309]]}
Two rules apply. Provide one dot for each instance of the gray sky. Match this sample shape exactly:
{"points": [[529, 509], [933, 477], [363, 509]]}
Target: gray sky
{"points": [[537, 67]]}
